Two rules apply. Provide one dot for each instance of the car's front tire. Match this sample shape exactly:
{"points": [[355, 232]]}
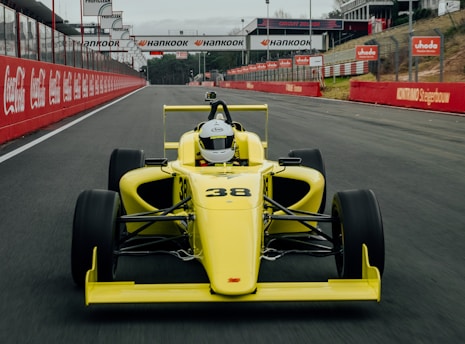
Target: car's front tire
{"points": [[95, 225], [122, 161], [312, 158], [358, 222]]}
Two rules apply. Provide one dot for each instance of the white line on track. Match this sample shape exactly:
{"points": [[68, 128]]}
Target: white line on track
{"points": [[41, 139]]}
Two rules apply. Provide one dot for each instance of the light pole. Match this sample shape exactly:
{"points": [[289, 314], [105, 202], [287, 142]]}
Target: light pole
{"points": [[200, 70], [410, 34], [53, 31], [242, 50], [310, 27], [267, 30], [204, 65]]}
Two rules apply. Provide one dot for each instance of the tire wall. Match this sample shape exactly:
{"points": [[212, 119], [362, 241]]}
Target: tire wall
{"points": [[36, 94]]}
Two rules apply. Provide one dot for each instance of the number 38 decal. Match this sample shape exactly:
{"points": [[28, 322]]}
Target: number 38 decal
{"points": [[221, 192]]}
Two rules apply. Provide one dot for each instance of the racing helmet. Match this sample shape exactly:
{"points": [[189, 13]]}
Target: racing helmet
{"points": [[216, 140]]}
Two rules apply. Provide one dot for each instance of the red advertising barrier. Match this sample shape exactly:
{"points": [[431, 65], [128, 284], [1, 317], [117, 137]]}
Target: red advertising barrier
{"points": [[447, 97], [36, 94], [300, 88]]}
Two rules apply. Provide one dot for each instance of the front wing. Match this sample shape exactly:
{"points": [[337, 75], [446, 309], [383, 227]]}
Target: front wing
{"points": [[366, 288]]}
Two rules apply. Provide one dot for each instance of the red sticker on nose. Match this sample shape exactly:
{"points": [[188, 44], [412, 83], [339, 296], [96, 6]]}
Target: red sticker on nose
{"points": [[234, 280]]}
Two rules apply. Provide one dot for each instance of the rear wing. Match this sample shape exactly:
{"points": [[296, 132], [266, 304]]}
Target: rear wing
{"points": [[169, 145]]}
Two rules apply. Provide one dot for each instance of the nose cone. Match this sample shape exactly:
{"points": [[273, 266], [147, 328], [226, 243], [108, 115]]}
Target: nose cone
{"points": [[231, 249]]}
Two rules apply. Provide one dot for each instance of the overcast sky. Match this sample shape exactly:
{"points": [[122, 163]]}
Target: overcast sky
{"points": [[211, 17]]}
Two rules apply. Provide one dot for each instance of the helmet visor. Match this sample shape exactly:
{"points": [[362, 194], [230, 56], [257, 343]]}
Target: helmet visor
{"points": [[217, 142]]}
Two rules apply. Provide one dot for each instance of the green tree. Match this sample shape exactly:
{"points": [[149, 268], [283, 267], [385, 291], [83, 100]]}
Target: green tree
{"points": [[170, 71]]}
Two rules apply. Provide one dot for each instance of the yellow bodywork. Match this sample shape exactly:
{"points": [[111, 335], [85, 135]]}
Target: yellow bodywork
{"points": [[227, 233], [367, 288]]}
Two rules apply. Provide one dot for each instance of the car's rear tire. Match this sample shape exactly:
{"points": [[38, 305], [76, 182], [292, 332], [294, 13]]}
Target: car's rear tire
{"points": [[312, 158], [358, 222], [95, 224], [122, 161]]}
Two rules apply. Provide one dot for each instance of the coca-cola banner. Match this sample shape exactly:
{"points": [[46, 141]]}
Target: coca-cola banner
{"points": [[36, 94]]}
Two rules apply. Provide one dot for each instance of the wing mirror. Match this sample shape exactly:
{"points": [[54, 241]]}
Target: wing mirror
{"points": [[290, 161]]}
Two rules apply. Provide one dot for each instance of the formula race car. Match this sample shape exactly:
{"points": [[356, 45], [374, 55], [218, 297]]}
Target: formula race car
{"points": [[223, 203]]}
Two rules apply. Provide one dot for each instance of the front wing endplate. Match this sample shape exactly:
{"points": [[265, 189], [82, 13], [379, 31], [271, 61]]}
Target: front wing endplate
{"points": [[366, 288]]}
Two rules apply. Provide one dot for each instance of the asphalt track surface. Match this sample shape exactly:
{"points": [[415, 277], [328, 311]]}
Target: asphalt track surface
{"points": [[413, 160]]}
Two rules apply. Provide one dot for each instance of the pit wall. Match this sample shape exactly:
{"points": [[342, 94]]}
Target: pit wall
{"points": [[36, 94], [436, 96], [300, 88]]}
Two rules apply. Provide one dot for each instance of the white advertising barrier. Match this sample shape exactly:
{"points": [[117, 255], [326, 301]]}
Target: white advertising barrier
{"points": [[227, 43], [190, 43], [105, 43], [287, 42]]}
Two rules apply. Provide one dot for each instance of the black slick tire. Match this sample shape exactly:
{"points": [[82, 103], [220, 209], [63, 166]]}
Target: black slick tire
{"points": [[358, 222], [121, 162], [312, 158], [95, 224]]}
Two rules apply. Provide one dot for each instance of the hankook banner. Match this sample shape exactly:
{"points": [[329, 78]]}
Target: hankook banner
{"points": [[227, 43], [105, 43], [285, 42], [190, 43]]}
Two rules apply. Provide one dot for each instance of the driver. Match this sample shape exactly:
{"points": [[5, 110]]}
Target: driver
{"points": [[216, 140]]}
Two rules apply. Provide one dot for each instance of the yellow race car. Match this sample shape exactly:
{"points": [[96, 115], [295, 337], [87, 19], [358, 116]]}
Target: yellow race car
{"points": [[223, 203]]}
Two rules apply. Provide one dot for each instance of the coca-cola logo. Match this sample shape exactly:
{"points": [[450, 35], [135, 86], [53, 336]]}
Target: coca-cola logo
{"points": [[38, 89], [97, 85], [14, 92], [105, 85], [91, 86], [54, 88], [77, 86], [67, 87], [85, 86]]}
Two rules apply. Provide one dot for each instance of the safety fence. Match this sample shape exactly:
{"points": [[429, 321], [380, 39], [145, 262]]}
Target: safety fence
{"points": [[26, 38], [295, 69]]}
